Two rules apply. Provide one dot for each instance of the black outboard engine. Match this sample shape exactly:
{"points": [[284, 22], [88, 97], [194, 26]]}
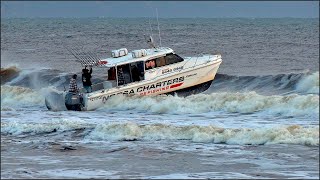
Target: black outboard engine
{"points": [[74, 101]]}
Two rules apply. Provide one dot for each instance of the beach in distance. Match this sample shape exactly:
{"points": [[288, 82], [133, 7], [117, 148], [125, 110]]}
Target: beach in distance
{"points": [[259, 118]]}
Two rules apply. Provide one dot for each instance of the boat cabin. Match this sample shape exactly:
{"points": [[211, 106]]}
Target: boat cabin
{"points": [[125, 68]]}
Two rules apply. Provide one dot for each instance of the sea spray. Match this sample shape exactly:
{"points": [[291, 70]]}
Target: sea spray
{"points": [[309, 84], [9, 73]]}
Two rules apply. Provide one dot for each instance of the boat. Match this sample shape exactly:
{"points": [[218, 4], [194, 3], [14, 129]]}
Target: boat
{"points": [[143, 72]]}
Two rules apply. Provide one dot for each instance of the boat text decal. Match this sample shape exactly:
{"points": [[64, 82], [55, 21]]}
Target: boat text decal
{"points": [[167, 70], [147, 89]]}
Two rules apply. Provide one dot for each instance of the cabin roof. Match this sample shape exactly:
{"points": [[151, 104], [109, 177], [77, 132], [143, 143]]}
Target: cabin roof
{"points": [[151, 53]]}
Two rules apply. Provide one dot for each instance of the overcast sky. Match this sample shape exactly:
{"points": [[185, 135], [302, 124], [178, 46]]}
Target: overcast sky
{"points": [[171, 9]]}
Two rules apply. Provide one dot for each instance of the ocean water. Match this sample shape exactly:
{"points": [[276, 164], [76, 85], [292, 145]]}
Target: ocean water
{"points": [[259, 118]]}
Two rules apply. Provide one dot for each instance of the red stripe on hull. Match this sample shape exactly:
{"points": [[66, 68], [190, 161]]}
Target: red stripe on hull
{"points": [[176, 85]]}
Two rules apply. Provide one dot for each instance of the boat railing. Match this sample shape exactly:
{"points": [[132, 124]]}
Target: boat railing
{"points": [[198, 56], [105, 85], [97, 87], [209, 57]]}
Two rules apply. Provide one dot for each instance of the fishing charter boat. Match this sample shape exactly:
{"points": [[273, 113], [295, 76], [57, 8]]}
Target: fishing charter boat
{"points": [[143, 72]]}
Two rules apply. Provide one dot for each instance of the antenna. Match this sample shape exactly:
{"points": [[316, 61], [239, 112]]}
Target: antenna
{"points": [[150, 27], [158, 27]]}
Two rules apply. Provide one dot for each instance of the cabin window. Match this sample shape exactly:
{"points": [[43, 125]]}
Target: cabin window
{"points": [[173, 58], [137, 71], [161, 61], [128, 73], [151, 64], [112, 73], [123, 73]]}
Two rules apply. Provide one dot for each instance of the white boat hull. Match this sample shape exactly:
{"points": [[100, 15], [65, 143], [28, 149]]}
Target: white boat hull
{"points": [[191, 76], [202, 73]]}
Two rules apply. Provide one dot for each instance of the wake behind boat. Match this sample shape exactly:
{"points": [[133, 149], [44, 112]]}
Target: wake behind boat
{"points": [[142, 72]]}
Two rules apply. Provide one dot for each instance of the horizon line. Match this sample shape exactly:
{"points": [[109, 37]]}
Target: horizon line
{"points": [[161, 17]]}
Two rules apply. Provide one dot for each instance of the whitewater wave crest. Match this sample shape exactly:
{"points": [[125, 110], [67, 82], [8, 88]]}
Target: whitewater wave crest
{"points": [[268, 84], [250, 102], [16, 128], [306, 82], [9, 73], [293, 134], [16, 95], [130, 131], [309, 84]]}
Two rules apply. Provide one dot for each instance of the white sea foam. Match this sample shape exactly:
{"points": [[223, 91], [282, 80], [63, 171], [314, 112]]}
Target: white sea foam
{"points": [[79, 173], [16, 95], [204, 175], [17, 128], [277, 134], [293, 134], [250, 102], [309, 84]]}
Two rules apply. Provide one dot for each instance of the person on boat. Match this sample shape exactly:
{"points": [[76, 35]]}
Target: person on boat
{"points": [[112, 73], [86, 79], [135, 73], [147, 65], [152, 64], [73, 84], [121, 79]]}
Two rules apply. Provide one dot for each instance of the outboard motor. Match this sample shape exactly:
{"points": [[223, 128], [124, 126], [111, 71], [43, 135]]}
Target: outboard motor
{"points": [[74, 101]]}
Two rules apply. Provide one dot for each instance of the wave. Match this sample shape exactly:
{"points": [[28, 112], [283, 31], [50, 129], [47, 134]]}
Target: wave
{"points": [[9, 73], [42, 78], [293, 134], [250, 102], [30, 87], [16, 95], [309, 84], [211, 134], [15, 128], [268, 84]]}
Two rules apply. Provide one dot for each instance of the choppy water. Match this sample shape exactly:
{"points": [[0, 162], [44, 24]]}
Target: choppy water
{"points": [[259, 118]]}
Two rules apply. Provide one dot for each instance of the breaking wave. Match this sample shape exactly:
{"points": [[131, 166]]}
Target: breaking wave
{"points": [[277, 135], [235, 94], [42, 78], [293, 134], [16, 95], [7, 74], [15, 128], [250, 102], [309, 84], [269, 84]]}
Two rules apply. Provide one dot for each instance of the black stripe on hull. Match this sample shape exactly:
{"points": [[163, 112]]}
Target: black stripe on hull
{"points": [[192, 90]]}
